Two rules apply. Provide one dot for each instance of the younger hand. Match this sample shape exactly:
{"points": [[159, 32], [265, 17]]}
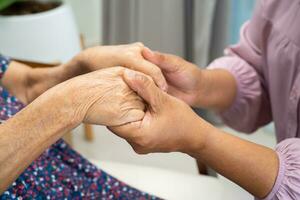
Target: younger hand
{"points": [[183, 78], [168, 125]]}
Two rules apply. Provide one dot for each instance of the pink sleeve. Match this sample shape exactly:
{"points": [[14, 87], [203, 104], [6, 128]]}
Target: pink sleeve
{"points": [[251, 108], [287, 185]]}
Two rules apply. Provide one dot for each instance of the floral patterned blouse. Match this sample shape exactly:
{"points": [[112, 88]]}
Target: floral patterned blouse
{"points": [[60, 172]]}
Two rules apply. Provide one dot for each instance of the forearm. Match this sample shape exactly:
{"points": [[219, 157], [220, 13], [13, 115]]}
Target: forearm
{"points": [[253, 167], [27, 83], [217, 89], [25, 136], [41, 79]]}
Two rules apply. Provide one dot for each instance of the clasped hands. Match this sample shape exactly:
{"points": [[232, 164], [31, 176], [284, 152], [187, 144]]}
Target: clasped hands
{"points": [[146, 101], [150, 116], [167, 121]]}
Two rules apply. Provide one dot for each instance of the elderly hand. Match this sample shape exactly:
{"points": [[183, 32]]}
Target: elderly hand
{"points": [[27, 83], [166, 124], [101, 97], [129, 56]]}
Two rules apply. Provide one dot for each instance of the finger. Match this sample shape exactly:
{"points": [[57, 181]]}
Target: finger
{"points": [[126, 131], [150, 69], [145, 87], [166, 62], [134, 60], [132, 116]]}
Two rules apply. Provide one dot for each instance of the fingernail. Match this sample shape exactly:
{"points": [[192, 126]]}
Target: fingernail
{"points": [[130, 74], [165, 88], [162, 85]]}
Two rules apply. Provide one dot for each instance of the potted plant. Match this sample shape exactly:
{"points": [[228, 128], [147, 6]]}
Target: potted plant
{"points": [[38, 31], [5, 3]]}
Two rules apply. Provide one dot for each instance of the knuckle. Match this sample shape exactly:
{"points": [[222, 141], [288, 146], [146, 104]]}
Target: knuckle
{"points": [[130, 54], [139, 44], [136, 47]]}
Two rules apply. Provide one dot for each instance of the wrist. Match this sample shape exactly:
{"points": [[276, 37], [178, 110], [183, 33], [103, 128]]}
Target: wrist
{"points": [[61, 99], [41, 79], [75, 67], [218, 89], [199, 88], [91, 59], [51, 113], [199, 137], [202, 93], [80, 102]]}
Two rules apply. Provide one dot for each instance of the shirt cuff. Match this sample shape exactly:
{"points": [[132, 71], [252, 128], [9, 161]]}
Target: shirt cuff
{"points": [[279, 178], [287, 185]]}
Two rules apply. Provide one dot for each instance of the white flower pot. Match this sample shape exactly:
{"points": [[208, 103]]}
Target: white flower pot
{"points": [[46, 37]]}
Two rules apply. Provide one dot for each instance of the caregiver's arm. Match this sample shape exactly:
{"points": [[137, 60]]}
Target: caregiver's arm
{"points": [[235, 84], [251, 166], [100, 97]]}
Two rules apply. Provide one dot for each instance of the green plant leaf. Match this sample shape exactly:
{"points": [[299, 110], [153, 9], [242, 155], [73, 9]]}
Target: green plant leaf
{"points": [[5, 3]]}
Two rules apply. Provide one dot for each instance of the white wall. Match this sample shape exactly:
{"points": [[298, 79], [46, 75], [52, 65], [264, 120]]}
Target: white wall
{"points": [[88, 16]]}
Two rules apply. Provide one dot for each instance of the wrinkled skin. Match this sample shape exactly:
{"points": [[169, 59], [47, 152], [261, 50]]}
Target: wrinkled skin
{"points": [[28, 83], [128, 55], [165, 125], [102, 97]]}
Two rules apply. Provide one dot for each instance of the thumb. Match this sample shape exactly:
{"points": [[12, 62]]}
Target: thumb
{"points": [[166, 62], [145, 87]]}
